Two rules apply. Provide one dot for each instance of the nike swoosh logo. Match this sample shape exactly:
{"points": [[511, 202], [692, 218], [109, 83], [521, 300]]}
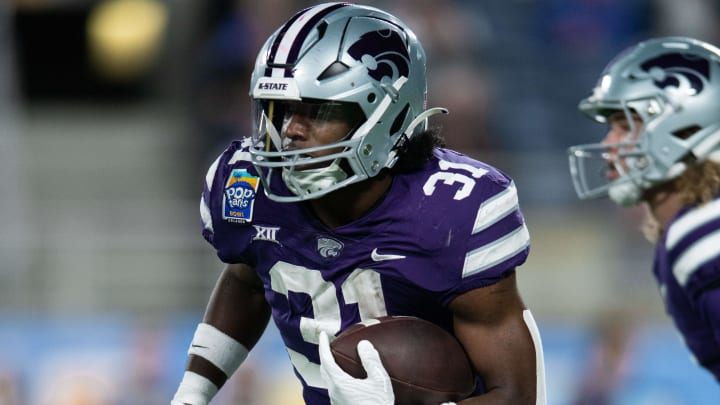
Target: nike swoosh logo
{"points": [[377, 257], [199, 346]]}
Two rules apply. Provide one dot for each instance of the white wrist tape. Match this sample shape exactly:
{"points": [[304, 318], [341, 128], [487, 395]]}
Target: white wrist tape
{"points": [[194, 389], [218, 348]]}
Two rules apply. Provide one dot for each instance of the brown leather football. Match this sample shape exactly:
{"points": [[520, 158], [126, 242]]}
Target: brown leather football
{"points": [[427, 365]]}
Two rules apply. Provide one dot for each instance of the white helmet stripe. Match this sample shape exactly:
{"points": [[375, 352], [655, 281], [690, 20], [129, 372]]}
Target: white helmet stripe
{"points": [[296, 33]]}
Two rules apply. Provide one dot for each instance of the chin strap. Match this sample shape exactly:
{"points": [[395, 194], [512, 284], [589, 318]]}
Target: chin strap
{"points": [[307, 182]]}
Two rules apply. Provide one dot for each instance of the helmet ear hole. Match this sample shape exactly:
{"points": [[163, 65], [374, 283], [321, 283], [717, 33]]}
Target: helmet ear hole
{"points": [[371, 98], [687, 132], [322, 27], [397, 123], [333, 70]]}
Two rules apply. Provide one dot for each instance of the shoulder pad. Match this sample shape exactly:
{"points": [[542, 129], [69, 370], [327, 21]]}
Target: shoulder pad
{"points": [[476, 214]]}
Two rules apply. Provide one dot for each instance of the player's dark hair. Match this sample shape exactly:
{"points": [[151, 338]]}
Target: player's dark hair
{"points": [[414, 153]]}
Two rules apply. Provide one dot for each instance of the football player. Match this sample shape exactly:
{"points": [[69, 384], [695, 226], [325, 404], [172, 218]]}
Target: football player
{"points": [[342, 207], [660, 101]]}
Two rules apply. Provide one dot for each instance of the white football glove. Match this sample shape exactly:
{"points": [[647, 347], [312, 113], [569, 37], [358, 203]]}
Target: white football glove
{"points": [[344, 389]]}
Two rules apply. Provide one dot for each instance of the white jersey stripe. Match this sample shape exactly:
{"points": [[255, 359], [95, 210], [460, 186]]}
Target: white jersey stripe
{"points": [[697, 254], [210, 175], [206, 215], [496, 208], [496, 252], [238, 156], [283, 50], [310, 371], [690, 221]]}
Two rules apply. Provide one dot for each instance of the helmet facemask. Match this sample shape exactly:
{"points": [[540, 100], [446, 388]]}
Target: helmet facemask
{"points": [[306, 171], [620, 169]]}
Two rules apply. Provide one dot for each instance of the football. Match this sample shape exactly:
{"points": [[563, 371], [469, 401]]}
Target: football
{"points": [[427, 365]]}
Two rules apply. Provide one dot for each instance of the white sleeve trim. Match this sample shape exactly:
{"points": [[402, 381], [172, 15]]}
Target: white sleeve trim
{"points": [[496, 252], [205, 215], [210, 175], [496, 208], [240, 155], [690, 221], [697, 254]]}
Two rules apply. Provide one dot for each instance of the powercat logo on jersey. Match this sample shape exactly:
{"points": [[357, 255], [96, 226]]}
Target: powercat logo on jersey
{"points": [[329, 247], [239, 196]]}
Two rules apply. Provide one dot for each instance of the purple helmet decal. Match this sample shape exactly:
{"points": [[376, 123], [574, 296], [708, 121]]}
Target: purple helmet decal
{"points": [[678, 70], [384, 53]]}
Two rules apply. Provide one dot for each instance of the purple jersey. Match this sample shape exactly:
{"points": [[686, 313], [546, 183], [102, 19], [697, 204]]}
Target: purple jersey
{"points": [[452, 226], [687, 267]]}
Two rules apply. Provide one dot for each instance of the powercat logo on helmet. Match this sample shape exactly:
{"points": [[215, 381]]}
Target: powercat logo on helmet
{"points": [[282, 88], [384, 53], [686, 72]]}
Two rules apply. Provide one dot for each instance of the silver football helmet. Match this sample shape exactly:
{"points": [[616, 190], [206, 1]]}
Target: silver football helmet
{"points": [[672, 85], [336, 61]]}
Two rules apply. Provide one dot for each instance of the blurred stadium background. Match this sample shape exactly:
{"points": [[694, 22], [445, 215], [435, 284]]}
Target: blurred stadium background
{"points": [[110, 112]]}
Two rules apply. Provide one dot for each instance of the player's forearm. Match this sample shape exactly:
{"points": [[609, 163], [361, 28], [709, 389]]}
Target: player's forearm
{"points": [[237, 306], [237, 309], [235, 318]]}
